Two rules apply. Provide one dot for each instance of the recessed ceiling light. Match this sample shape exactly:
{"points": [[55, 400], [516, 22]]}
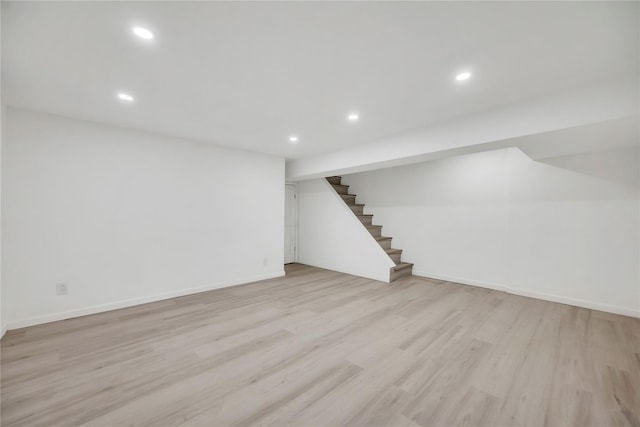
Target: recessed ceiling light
{"points": [[143, 33], [463, 76], [293, 139], [125, 97], [353, 117]]}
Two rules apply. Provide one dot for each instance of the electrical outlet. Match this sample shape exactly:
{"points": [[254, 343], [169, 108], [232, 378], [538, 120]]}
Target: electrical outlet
{"points": [[62, 289]]}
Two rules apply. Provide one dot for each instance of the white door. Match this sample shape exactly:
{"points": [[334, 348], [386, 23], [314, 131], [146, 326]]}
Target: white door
{"points": [[290, 223]]}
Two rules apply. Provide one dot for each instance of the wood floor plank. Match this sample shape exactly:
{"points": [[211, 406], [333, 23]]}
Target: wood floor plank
{"points": [[321, 348]]}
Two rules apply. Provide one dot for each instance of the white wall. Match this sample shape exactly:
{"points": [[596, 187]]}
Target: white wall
{"points": [[126, 217], [565, 229], [3, 325], [330, 236]]}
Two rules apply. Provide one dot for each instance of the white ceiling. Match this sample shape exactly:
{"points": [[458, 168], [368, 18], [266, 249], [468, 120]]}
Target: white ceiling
{"points": [[250, 74]]}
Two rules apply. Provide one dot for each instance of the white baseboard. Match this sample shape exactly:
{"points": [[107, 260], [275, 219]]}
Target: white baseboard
{"points": [[532, 294], [54, 317]]}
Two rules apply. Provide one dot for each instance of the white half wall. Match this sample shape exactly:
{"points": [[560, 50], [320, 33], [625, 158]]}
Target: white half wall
{"points": [[330, 236], [565, 230], [125, 217]]}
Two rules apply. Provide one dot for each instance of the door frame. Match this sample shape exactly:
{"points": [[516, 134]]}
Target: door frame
{"points": [[295, 196]]}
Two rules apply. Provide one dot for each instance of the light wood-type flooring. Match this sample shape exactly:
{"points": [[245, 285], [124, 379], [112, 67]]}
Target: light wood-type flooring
{"points": [[320, 348]]}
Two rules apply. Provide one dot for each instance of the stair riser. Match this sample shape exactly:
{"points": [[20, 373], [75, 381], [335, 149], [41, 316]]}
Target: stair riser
{"points": [[366, 220], [375, 232], [334, 180], [396, 257], [341, 189], [395, 275], [348, 199], [357, 209], [386, 244]]}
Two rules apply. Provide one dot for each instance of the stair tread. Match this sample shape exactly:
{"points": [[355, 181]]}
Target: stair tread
{"points": [[382, 238], [393, 251], [402, 266], [357, 204], [373, 226], [334, 180], [364, 214]]}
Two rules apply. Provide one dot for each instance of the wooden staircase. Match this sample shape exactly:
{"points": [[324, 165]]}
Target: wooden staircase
{"points": [[401, 269]]}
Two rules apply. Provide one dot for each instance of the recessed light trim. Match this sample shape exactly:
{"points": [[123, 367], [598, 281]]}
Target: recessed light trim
{"points": [[125, 97], [293, 139], [143, 33], [353, 117], [463, 76]]}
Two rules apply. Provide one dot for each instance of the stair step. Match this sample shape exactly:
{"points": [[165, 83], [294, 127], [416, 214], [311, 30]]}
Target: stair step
{"points": [[375, 230], [365, 218], [384, 241], [395, 255], [334, 179], [349, 199], [341, 189], [357, 208], [403, 269], [402, 266]]}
